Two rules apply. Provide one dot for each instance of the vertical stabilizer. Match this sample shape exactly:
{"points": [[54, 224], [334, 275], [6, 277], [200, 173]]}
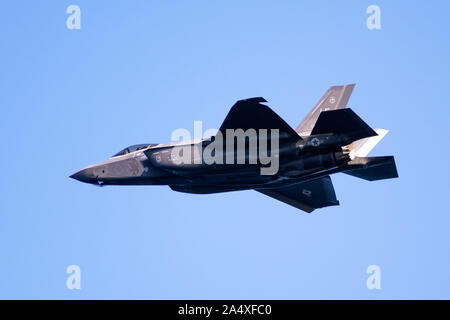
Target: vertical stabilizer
{"points": [[335, 98], [361, 148]]}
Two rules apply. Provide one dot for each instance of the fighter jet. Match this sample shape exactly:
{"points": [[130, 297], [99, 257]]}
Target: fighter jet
{"points": [[256, 149]]}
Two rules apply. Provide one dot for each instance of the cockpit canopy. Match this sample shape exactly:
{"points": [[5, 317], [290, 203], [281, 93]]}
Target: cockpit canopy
{"points": [[134, 148]]}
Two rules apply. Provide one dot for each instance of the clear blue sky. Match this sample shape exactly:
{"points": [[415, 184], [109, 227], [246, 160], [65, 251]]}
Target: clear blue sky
{"points": [[137, 70]]}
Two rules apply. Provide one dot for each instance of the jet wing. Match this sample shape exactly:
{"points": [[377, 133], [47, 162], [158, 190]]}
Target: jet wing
{"points": [[306, 196], [252, 114], [335, 98]]}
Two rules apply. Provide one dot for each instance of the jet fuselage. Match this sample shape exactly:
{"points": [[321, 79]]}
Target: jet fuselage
{"points": [[256, 149]]}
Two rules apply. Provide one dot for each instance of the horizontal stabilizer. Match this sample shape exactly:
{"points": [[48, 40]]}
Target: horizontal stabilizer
{"points": [[372, 168], [306, 196], [342, 121]]}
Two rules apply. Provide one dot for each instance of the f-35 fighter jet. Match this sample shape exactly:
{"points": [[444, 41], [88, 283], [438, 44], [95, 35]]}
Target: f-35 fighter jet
{"points": [[256, 149]]}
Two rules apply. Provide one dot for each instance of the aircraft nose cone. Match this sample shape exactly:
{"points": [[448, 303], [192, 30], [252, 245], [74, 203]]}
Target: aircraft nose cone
{"points": [[85, 175]]}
